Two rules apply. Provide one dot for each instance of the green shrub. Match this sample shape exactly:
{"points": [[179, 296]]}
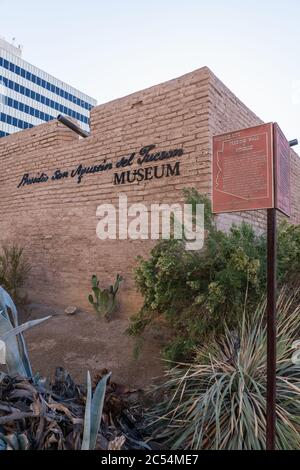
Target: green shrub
{"points": [[219, 401], [14, 270], [195, 293], [288, 248]]}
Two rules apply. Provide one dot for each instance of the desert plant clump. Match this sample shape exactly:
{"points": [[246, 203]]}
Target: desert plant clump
{"points": [[42, 414], [193, 293], [104, 300], [14, 270], [36, 413], [288, 253], [219, 401]]}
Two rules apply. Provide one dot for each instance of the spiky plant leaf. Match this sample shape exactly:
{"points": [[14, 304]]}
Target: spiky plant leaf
{"points": [[16, 357], [14, 362], [20, 363], [25, 326], [93, 412], [97, 409], [219, 401], [87, 416], [2, 352]]}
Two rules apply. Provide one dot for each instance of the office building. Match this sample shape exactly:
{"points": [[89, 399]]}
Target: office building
{"points": [[29, 96]]}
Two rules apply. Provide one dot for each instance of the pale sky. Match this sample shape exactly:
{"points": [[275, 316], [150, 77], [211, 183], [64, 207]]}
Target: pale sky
{"points": [[110, 48]]}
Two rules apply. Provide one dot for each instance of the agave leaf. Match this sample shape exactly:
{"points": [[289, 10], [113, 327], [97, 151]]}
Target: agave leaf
{"points": [[20, 363], [93, 412], [87, 416], [25, 326], [15, 364], [97, 409], [16, 356], [23, 442], [2, 352], [2, 377], [2, 443], [13, 442], [7, 302]]}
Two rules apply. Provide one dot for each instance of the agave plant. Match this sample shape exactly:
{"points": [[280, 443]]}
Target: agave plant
{"points": [[48, 415], [93, 412], [12, 345], [13, 353], [219, 401]]}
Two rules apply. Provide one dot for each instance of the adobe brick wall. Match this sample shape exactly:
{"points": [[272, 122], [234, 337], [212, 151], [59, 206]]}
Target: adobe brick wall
{"points": [[56, 222]]}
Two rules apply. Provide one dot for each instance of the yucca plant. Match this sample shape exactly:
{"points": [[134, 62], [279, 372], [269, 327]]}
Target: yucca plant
{"points": [[219, 401]]}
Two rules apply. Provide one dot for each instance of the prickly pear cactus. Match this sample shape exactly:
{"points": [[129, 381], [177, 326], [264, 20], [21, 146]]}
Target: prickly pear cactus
{"points": [[104, 300]]}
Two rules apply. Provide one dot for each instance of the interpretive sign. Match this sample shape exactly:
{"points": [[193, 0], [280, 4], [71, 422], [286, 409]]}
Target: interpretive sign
{"points": [[243, 170], [282, 171], [251, 170]]}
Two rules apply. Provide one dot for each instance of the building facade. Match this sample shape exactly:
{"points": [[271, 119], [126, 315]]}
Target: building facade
{"points": [[29, 96], [49, 201]]}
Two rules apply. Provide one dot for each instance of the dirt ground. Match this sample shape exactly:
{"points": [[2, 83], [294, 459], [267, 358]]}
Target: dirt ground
{"points": [[83, 342]]}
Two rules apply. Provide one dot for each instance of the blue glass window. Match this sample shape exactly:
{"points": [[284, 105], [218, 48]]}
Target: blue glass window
{"points": [[44, 84], [3, 134], [41, 99], [15, 122]]}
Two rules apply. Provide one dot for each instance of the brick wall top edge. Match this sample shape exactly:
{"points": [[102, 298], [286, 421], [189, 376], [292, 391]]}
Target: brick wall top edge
{"points": [[200, 73], [218, 85], [37, 134]]}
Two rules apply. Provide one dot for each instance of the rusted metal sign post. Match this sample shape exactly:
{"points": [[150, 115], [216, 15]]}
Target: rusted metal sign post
{"points": [[251, 170], [271, 329]]}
